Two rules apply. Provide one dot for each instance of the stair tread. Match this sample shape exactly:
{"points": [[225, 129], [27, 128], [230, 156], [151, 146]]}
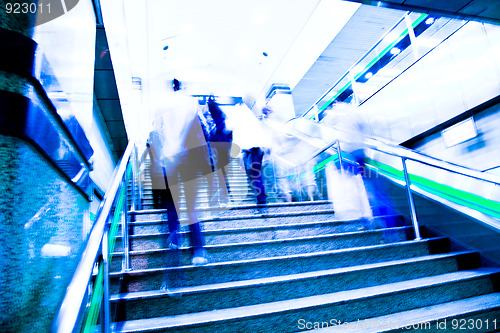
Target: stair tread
{"points": [[286, 257], [428, 314], [245, 229], [250, 216], [249, 206], [299, 303], [284, 278], [331, 220], [267, 226], [282, 240]]}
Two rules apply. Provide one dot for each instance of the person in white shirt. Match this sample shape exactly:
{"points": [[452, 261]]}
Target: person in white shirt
{"points": [[251, 136]]}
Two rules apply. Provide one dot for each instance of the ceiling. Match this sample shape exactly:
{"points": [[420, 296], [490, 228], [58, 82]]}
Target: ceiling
{"points": [[477, 10], [231, 47], [363, 31], [235, 47], [107, 98], [221, 47]]}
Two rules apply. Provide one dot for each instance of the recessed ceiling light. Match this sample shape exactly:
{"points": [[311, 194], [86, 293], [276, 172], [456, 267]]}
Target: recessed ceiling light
{"points": [[264, 54], [165, 47], [395, 50]]}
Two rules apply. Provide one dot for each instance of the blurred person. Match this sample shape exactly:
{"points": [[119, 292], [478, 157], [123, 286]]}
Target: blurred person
{"points": [[250, 135], [220, 144], [178, 146], [353, 133], [280, 144], [308, 181], [162, 199]]}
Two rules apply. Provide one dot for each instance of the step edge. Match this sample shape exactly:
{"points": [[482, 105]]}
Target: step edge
{"points": [[252, 206], [251, 311], [291, 277], [433, 313], [276, 241], [288, 257]]}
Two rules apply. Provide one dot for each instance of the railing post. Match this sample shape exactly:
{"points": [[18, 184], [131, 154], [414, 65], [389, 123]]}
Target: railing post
{"points": [[140, 188], [339, 152], [133, 180], [274, 175], [125, 230], [413, 212], [106, 322], [299, 187]]}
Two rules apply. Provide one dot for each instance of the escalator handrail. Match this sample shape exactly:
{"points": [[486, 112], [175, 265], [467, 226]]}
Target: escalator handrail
{"points": [[402, 152], [411, 155], [71, 307]]}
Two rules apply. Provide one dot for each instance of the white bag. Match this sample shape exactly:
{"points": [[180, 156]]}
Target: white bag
{"points": [[348, 195]]}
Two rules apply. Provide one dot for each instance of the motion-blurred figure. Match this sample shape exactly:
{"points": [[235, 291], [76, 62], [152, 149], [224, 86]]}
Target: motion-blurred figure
{"points": [[250, 135], [281, 143], [178, 147], [308, 181], [220, 145], [353, 133]]}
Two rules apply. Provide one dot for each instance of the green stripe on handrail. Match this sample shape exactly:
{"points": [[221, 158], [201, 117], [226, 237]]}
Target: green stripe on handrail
{"points": [[468, 199], [114, 224], [95, 303], [96, 300], [129, 171], [463, 198], [385, 169], [326, 162]]}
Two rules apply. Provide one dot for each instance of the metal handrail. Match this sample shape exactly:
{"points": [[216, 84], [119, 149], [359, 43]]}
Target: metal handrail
{"points": [[431, 161], [73, 302], [402, 152], [405, 155]]}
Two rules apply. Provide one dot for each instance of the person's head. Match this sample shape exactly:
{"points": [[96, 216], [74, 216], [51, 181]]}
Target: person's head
{"points": [[266, 111], [176, 85]]}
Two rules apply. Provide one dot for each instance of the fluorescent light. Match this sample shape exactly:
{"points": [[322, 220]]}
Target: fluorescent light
{"points": [[395, 51], [458, 133], [54, 250], [391, 37]]}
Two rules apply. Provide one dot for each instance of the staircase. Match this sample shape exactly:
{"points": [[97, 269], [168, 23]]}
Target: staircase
{"points": [[289, 267], [240, 189]]}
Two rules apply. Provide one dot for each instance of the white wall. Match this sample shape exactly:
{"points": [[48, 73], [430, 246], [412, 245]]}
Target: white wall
{"points": [[459, 74]]}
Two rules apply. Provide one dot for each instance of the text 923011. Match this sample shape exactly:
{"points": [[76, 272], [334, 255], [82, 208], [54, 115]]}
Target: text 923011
{"points": [[27, 8]]}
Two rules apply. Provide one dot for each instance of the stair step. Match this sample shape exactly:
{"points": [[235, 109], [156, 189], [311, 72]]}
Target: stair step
{"points": [[235, 270], [232, 212], [145, 241], [248, 292], [148, 235], [156, 226], [473, 314], [352, 305], [247, 220], [267, 248]]}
